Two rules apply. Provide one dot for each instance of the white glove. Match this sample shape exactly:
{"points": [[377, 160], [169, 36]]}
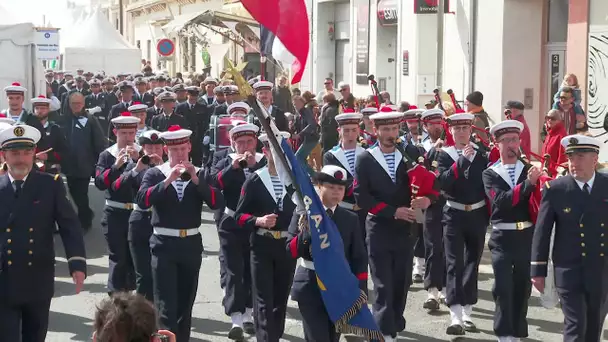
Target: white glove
{"points": [[206, 140], [94, 110]]}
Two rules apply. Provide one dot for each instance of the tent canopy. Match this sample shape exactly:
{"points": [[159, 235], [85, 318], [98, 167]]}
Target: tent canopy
{"points": [[95, 32], [95, 45]]}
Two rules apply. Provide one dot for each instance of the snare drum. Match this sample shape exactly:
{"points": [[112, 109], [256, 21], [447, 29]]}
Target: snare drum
{"points": [[220, 127]]}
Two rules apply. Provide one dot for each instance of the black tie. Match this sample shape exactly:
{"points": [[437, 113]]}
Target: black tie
{"points": [[330, 213], [586, 189], [18, 187]]}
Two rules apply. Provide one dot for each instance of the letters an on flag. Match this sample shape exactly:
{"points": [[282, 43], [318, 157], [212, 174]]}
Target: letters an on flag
{"points": [[288, 21], [344, 301]]}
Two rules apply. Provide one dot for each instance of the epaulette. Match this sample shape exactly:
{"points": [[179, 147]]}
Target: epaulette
{"points": [[56, 177]]}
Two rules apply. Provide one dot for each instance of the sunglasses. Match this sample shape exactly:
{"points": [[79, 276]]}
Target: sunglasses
{"points": [[564, 97]]}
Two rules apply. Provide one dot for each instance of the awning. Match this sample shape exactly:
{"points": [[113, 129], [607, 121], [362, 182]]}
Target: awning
{"points": [[207, 17]]}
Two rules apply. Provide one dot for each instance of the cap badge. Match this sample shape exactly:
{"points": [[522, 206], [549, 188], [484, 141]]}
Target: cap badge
{"points": [[573, 141], [153, 137], [19, 131], [338, 175]]}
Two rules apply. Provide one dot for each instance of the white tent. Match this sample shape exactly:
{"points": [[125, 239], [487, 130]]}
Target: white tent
{"points": [[95, 45]]}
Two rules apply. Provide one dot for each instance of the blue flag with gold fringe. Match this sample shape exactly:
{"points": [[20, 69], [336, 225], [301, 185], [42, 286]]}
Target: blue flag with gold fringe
{"points": [[344, 301]]}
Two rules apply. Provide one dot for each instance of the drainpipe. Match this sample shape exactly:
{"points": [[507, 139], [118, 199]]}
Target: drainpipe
{"points": [[472, 43]]}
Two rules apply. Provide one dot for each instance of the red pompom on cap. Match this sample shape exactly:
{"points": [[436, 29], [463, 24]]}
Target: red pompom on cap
{"points": [[174, 128], [16, 84], [349, 110], [42, 97], [413, 107], [136, 103], [386, 109], [125, 114]]}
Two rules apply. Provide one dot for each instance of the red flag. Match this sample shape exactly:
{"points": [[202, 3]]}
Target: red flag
{"points": [[288, 20]]}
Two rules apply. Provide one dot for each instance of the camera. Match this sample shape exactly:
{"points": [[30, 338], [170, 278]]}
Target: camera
{"points": [[243, 164], [145, 159]]}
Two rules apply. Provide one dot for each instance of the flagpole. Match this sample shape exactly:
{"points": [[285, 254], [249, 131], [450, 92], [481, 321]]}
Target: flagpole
{"points": [[262, 67], [264, 119]]}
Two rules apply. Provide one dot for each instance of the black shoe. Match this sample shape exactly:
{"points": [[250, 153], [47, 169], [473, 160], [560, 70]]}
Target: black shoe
{"points": [[431, 304], [455, 329], [418, 278], [249, 328], [236, 333], [470, 326]]}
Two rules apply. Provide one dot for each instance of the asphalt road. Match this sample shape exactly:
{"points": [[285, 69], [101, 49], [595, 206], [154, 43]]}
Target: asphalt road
{"points": [[71, 316]]}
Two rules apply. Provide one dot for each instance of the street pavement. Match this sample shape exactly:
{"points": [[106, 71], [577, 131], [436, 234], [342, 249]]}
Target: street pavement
{"points": [[71, 317]]}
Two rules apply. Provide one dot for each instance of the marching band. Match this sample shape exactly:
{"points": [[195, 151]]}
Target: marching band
{"points": [[413, 207]]}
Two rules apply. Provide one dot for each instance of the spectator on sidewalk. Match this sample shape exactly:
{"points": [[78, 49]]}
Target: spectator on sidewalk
{"points": [[328, 89]]}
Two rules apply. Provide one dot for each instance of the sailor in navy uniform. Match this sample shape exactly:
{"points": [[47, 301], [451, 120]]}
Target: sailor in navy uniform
{"points": [[15, 95], [228, 175], [198, 116], [209, 98], [119, 202], [156, 108], [345, 155], [181, 93], [168, 117], [176, 243], [95, 103], [238, 111], [383, 190], [126, 90], [50, 160], [509, 184], [138, 110], [140, 226], [465, 221], [415, 131], [331, 183], [263, 92], [148, 96], [230, 92], [367, 139], [575, 206], [31, 204], [434, 259], [265, 208]]}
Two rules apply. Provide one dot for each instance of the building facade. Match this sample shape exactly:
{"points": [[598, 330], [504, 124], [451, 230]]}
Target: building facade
{"points": [[507, 49], [203, 32]]}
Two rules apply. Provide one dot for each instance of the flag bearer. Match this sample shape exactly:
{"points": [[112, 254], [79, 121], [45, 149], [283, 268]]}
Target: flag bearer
{"points": [[331, 183]]}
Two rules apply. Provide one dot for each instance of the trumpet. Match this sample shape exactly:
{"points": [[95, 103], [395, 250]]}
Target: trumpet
{"points": [[145, 159]]}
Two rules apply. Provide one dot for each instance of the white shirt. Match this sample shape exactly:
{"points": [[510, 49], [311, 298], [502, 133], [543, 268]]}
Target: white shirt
{"points": [[589, 183], [13, 180]]}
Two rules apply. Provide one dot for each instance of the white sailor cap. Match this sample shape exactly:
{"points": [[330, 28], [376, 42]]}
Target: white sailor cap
{"points": [[210, 80], [241, 130], [580, 143], [125, 121], [262, 85], [137, 107], [460, 119], [167, 96], [193, 90], [176, 135], [432, 114], [231, 89], [150, 137], [19, 137], [413, 114], [264, 137], [95, 82], [179, 87], [331, 174], [386, 117], [239, 107], [9, 121], [15, 89], [369, 110], [68, 74], [507, 126], [348, 118], [126, 84], [40, 101], [5, 125]]}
